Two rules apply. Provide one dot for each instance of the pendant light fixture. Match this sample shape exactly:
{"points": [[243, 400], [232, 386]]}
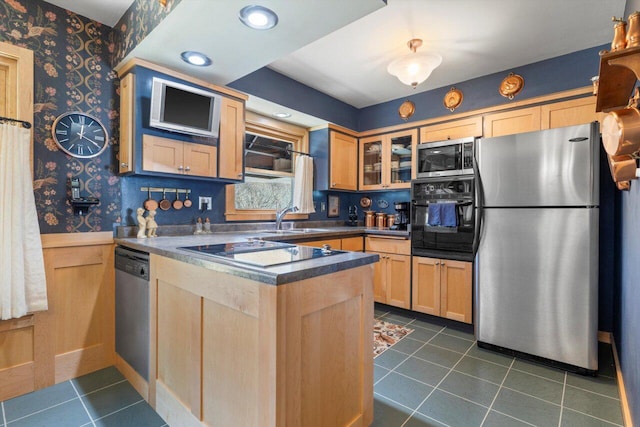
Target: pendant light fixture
{"points": [[414, 68]]}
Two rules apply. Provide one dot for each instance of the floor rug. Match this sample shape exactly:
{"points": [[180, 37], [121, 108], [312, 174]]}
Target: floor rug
{"points": [[385, 335]]}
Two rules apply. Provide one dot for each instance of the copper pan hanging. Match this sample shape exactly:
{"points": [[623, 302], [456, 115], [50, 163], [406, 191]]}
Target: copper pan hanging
{"points": [[453, 99], [511, 85]]}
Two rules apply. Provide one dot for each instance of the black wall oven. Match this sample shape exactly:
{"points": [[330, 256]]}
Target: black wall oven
{"points": [[443, 217]]}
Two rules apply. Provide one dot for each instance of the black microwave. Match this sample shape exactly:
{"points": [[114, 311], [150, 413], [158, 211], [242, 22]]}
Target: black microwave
{"points": [[446, 158]]}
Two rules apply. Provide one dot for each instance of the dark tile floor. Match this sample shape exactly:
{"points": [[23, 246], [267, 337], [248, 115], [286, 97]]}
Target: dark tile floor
{"points": [[435, 376], [103, 398]]}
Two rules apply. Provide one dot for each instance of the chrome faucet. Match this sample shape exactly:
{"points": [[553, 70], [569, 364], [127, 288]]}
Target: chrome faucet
{"points": [[280, 215]]}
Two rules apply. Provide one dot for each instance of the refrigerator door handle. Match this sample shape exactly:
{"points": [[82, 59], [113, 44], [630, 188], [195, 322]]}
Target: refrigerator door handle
{"points": [[477, 231]]}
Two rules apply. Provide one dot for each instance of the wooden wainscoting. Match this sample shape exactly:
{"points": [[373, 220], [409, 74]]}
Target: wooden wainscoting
{"points": [[77, 334]]}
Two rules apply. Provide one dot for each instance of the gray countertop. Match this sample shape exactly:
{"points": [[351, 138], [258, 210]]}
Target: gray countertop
{"points": [[279, 274]]}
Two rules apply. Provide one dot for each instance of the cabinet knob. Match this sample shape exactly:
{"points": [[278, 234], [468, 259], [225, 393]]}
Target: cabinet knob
{"points": [[124, 165], [240, 175], [180, 168], [188, 168], [443, 263], [437, 263], [333, 184]]}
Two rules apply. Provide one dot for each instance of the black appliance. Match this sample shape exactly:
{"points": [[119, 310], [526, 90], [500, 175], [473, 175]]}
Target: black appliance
{"points": [[453, 198], [402, 216], [353, 216], [262, 253]]}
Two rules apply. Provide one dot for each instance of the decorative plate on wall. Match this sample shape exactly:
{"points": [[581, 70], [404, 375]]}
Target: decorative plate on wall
{"points": [[453, 99], [406, 110], [511, 85]]}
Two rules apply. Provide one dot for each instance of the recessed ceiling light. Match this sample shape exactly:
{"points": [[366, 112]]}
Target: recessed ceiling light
{"points": [[282, 115], [195, 58], [258, 17]]}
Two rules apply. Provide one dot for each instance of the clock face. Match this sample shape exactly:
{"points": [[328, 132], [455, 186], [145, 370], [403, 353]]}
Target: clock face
{"points": [[80, 135]]}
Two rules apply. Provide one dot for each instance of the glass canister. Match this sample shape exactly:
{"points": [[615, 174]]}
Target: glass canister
{"points": [[369, 219], [381, 219]]}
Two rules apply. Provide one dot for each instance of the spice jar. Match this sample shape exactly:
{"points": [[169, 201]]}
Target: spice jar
{"points": [[381, 219], [369, 219]]}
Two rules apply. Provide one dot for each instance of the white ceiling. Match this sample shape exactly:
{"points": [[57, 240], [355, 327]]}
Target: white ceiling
{"points": [[342, 48]]}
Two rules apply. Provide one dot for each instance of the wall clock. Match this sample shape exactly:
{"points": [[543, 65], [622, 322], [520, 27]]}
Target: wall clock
{"points": [[80, 134]]}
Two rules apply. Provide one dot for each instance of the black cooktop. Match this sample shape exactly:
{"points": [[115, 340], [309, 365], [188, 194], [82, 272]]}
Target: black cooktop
{"points": [[262, 253]]}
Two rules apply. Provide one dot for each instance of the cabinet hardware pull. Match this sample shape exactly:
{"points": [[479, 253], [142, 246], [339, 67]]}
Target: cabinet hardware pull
{"points": [[333, 184], [188, 168], [180, 168], [240, 175], [437, 263], [124, 165]]}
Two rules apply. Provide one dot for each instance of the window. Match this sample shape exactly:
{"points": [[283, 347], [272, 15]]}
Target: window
{"points": [[270, 147]]}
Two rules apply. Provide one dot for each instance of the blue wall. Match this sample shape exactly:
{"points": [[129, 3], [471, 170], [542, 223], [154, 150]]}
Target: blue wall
{"points": [[565, 72], [268, 84]]}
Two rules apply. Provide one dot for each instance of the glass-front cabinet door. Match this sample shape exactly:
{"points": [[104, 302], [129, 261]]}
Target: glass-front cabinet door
{"points": [[386, 161], [400, 152], [371, 163]]}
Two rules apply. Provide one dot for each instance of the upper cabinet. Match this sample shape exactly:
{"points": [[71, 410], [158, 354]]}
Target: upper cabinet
{"points": [[510, 122], [569, 113], [548, 116], [386, 161], [149, 150], [231, 139], [454, 129], [343, 156]]}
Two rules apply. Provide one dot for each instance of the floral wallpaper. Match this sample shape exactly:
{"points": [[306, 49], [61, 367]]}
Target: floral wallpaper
{"points": [[138, 21], [73, 59], [72, 73]]}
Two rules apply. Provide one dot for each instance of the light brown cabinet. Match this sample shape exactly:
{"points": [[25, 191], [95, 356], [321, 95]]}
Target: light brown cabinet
{"points": [[442, 288], [392, 274], [127, 123], [343, 156], [231, 139], [569, 113], [452, 130], [353, 244], [510, 122], [178, 157], [386, 161]]}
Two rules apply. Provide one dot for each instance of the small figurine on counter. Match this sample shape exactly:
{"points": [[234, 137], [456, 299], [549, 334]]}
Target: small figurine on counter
{"points": [[151, 224], [142, 224], [199, 226], [207, 225]]}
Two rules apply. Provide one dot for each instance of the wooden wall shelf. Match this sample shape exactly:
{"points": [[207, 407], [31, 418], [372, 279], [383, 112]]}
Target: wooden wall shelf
{"points": [[619, 72]]}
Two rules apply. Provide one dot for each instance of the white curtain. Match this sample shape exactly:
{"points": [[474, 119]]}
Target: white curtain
{"points": [[303, 185], [23, 285]]}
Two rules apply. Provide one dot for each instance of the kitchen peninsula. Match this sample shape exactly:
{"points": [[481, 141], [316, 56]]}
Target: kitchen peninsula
{"points": [[239, 344]]}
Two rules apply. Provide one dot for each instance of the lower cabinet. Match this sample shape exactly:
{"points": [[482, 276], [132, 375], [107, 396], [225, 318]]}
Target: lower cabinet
{"points": [[442, 288], [392, 274], [353, 244]]}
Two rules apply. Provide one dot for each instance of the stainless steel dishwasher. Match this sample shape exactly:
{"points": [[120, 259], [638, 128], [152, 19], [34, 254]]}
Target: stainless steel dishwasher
{"points": [[132, 308]]}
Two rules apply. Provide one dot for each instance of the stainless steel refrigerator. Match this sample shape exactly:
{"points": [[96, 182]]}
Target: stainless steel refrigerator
{"points": [[536, 268]]}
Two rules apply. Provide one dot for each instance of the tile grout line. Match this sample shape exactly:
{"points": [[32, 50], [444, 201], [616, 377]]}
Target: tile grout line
{"points": [[497, 392], [105, 387], [564, 390], [82, 402], [436, 386], [121, 409], [407, 407], [406, 358], [4, 416], [41, 410]]}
